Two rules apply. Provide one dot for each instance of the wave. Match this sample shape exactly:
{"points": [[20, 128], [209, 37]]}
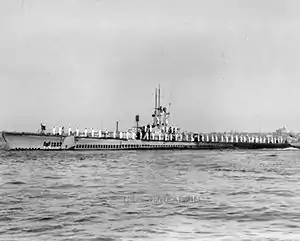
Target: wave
{"points": [[58, 194]]}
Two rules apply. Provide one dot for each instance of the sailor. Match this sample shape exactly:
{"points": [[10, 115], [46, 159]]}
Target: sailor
{"points": [[157, 121], [60, 130], [77, 131], [93, 132], [85, 132], [69, 131], [54, 130]]}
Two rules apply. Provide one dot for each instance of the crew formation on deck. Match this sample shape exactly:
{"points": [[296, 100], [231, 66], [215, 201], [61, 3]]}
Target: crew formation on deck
{"points": [[158, 134], [147, 133], [161, 130]]}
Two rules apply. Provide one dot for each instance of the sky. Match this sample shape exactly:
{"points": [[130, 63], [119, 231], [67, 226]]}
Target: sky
{"points": [[223, 65]]}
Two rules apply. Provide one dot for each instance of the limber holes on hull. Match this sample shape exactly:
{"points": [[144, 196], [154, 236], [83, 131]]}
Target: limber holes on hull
{"points": [[57, 146], [127, 146], [148, 146]]}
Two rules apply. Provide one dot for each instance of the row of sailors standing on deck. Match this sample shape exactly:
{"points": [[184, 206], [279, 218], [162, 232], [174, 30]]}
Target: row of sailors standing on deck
{"points": [[58, 130], [172, 134], [106, 134], [212, 138], [162, 129], [241, 139], [61, 131], [93, 133]]}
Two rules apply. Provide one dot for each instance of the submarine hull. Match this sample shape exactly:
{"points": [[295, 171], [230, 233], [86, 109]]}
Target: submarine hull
{"points": [[32, 141]]}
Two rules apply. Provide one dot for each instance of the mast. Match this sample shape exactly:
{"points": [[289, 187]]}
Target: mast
{"points": [[159, 109], [158, 96], [155, 106]]}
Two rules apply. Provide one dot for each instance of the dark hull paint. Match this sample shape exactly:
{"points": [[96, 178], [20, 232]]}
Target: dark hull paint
{"points": [[155, 148], [262, 145]]}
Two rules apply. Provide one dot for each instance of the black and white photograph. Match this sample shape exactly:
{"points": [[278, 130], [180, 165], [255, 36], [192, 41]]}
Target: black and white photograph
{"points": [[149, 120]]}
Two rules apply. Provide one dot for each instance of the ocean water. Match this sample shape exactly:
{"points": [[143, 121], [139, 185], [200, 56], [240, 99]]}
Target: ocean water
{"points": [[150, 195]]}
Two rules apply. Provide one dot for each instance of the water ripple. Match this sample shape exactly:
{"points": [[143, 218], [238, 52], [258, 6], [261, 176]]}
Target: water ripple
{"points": [[151, 195]]}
